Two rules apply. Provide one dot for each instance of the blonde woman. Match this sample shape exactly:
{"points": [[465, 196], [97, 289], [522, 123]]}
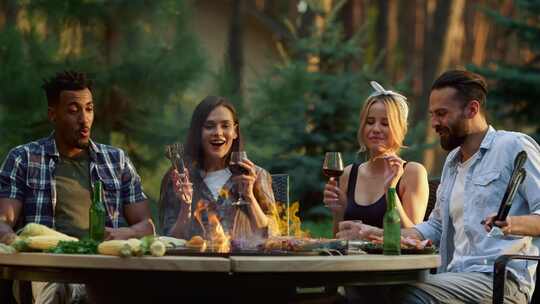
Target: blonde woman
{"points": [[361, 193]]}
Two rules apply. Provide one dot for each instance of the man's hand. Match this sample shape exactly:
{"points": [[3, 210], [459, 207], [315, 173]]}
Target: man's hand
{"points": [[505, 226], [355, 230]]}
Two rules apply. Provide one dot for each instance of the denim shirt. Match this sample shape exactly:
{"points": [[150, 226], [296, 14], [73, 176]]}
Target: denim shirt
{"points": [[28, 175], [485, 184]]}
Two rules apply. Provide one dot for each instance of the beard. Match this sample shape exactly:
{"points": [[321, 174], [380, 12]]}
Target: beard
{"points": [[453, 136], [82, 143]]}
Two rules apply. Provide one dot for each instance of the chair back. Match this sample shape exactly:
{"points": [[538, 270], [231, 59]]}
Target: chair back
{"points": [[280, 187], [433, 185]]}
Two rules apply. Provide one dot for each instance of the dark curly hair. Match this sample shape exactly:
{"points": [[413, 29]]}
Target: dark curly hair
{"points": [[64, 81]]}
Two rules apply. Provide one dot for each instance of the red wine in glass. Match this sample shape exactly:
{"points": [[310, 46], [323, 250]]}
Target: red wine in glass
{"points": [[333, 165], [237, 169], [332, 173]]}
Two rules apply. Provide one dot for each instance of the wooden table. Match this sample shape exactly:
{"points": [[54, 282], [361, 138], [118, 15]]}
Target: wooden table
{"points": [[338, 270], [246, 273]]}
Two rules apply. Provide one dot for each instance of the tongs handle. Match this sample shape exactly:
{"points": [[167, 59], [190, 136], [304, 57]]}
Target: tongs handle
{"points": [[520, 159], [517, 177]]}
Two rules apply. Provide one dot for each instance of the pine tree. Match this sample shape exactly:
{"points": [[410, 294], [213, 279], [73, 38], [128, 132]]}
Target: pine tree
{"points": [[141, 55], [516, 92]]}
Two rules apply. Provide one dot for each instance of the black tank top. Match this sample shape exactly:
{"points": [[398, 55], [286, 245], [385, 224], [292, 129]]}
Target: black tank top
{"points": [[371, 214]]}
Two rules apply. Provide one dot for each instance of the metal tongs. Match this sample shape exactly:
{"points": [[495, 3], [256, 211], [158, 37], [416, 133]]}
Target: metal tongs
{"points": [[175, 153], [518, 175]]}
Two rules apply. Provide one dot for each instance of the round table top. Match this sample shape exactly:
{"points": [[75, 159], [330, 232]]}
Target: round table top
{"points": [[348, 263]]}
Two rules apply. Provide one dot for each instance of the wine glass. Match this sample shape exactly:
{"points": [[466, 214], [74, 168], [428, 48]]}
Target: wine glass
{"points": [[237, 169], [333, 165]]}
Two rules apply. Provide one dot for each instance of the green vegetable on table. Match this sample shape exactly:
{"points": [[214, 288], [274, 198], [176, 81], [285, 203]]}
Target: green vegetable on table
{"points": [[85, 246]]}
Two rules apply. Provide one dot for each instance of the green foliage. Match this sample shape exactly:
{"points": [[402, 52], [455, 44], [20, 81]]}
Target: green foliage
{"points": [[319, 229], [143, 59], [517, 86]]}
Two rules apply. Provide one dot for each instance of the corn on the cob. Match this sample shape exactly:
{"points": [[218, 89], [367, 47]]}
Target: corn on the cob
{"points": [[44, 242], [6, 249], [136, 248], [171, 242], [157, 248], [115, 247], [33, 229]]}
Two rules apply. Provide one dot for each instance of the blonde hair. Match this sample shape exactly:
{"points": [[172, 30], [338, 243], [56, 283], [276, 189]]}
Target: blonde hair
{"points": [[396, 113]]}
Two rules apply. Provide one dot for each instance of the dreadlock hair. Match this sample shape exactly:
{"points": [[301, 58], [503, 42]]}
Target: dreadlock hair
{"points": [[64, 81]]}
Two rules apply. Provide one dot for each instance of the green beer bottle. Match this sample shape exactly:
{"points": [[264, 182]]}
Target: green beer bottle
{"points": [[391, 226], [97, 215]]}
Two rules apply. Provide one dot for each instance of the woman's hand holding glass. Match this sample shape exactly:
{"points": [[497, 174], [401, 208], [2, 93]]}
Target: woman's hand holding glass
{"points": [[247, 180], [334, 199], [244, 176]]}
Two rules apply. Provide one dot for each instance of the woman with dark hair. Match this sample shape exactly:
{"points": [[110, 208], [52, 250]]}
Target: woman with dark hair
{"points": [[208, 188]]}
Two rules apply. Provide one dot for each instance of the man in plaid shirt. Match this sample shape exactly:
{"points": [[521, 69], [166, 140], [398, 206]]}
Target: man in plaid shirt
{"points": [[49, 181]]}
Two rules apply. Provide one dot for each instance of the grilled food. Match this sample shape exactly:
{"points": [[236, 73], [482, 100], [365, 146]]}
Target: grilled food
{"points": [[197, 242], [294, 244]]}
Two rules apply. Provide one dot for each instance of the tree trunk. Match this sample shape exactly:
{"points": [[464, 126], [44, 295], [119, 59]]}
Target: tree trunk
{"points": [[381, 27], [352, 16], [235, 53], [392, 68], [419, 16], [110, 117], [406, 63], [481, 32], [445, 39], [8, 13]]}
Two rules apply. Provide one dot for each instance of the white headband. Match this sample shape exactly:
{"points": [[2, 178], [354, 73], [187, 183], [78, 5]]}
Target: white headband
{"points": [[401, 100]]}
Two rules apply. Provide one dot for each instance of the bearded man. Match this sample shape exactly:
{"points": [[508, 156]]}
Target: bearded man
{"points": [[474, 179]]}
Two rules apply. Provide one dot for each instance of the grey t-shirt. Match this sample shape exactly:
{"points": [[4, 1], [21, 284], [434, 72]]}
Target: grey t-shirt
{"points": [[73, 195]]}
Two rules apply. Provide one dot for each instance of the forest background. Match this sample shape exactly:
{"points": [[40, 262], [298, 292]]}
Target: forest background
{"points": [[298, 71]]}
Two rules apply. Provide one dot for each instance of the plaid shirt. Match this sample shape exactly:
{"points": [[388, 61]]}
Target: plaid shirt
{"points": [[28, 175], [228, 215]]}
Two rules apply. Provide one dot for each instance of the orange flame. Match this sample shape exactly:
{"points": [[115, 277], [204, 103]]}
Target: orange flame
{"points": [[221, 242], [287, 221], [197, 214]]}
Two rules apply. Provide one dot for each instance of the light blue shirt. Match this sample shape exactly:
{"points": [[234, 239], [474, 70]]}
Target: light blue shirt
{"points": [[485, 185]]}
